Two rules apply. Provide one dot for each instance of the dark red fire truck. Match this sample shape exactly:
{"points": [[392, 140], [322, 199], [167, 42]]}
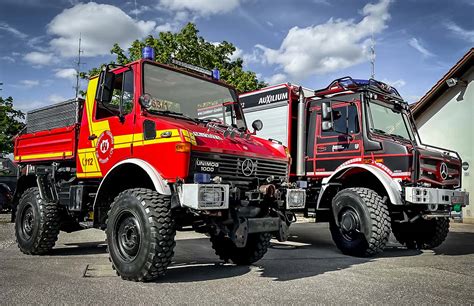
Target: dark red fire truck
{"points": [[357, 153]]}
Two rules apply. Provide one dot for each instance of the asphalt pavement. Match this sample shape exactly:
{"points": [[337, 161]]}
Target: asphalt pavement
{"points": [[308, 269]]}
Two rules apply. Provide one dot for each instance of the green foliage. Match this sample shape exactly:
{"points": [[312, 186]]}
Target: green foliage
{"points": [[10, 124], [189, 47]]}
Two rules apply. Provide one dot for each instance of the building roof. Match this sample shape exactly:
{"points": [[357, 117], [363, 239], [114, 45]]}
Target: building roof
{"points": [[461, 67]]}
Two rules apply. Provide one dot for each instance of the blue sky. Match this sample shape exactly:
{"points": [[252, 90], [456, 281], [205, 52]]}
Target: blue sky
{"points": [[305, 42]]}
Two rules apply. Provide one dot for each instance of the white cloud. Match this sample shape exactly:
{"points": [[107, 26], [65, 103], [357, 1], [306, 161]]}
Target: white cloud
{"points": [[328, 47], [276, 79], [40, 59], [5, 27], [29, 83], [67, 73], [56, 98], [397, 84], [415, 43], [140, 10], [325, 2], [7, 59], [200, 7], [238, 53], [100, 25], [467, 35], [166, 27]]}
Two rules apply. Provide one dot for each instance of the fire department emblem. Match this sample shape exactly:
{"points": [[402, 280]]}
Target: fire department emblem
{"points": [[105, 147]]}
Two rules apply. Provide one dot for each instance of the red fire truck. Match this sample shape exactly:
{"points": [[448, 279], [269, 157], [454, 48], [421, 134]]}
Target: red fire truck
{"points": [[152, 148], [360, 158]]}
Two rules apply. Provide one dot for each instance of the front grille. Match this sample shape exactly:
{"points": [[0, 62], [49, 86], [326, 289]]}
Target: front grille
{"points": [[430, 172], [229, 167]]}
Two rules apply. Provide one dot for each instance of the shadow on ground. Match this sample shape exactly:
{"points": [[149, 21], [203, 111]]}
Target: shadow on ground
{"points": [[307, 253], [457, 243]]}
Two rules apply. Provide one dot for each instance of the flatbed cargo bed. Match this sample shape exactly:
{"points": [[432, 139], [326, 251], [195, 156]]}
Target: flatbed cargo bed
{"points": [[50, 133]]}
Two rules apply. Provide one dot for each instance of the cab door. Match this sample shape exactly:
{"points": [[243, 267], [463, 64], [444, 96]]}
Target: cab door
{"points": [[341, 144], [110, 128]]}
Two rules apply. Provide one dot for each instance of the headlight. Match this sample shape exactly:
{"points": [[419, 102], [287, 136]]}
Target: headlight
{"points": [[208, 196], [295, 198]]}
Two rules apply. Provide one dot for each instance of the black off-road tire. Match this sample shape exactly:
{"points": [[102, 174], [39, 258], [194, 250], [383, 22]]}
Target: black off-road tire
{"points": [[422, 234], [373, 222], [36, 223], [140, 234], [256, 247]]}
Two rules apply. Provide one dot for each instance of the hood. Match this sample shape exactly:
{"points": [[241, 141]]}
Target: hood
{"points": [[210, 139], [438, 167]]}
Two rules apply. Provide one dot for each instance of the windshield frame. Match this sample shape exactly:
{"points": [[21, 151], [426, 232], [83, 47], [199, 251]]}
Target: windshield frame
{"points": [[409, 128], [236, 110]]}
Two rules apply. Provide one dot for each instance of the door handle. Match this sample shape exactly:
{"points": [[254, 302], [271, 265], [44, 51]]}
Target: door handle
{"points": [[92, 137]]}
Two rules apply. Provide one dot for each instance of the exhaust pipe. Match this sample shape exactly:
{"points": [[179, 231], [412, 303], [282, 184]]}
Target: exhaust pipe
{"points": [[300, 138]]}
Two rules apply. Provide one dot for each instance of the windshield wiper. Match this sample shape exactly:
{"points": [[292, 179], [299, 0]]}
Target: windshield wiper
{"points": [[379, 131], [394, 136], [399, 136]]}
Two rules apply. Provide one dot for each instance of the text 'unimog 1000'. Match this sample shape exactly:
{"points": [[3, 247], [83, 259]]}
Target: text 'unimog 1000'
{"points": [[361, 160], [152, 148]]}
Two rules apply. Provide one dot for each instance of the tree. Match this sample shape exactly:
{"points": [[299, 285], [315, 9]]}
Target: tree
{"points": [[11, 123], [189, 47]]}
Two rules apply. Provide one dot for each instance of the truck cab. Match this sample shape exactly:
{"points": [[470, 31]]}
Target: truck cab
{"points": [[366, 171], [153, 148]]}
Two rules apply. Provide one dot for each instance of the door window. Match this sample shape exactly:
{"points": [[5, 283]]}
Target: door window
{"points": [[345, 119], [122, 97]]}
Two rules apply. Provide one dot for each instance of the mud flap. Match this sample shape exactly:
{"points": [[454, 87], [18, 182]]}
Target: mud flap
{"points": [[240, 234], [257, 225], [283, 233]]}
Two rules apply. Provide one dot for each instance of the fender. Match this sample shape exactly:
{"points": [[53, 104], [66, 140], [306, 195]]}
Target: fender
{"points": [[392, 187], [161, 185]]}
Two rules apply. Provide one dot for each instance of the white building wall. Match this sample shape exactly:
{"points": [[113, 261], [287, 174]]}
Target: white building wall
{"points": [[449, 123]]}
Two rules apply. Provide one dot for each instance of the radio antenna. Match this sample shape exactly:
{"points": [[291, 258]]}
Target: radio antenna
{"points": [[78, 66], [372, 56]]}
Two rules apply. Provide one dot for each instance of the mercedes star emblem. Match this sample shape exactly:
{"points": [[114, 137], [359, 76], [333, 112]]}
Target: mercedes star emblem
{"points": [[443, 170], [248, 167]]}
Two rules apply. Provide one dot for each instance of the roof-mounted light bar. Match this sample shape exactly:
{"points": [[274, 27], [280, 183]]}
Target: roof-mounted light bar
{"points": [[215, 74], [348, 83]]}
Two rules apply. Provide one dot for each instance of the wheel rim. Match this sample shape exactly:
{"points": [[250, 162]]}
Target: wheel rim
{"points": [[27, 222], [128, 236], [349, 224]]}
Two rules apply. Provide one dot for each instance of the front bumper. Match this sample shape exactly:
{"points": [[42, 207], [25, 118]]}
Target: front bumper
{"points": [[421, 195]]}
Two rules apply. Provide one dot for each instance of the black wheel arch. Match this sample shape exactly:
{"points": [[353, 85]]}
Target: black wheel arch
{"points": [[24, 183], [123, 177]]}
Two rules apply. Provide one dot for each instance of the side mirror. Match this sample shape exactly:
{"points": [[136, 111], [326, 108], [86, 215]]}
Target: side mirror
{"points": [[257, 125], [105, 87], [326, 110], [327, 126], [145, 100]]}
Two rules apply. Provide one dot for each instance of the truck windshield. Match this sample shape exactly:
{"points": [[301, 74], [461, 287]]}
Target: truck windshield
{"points": [[388, 121], [178, 94]]}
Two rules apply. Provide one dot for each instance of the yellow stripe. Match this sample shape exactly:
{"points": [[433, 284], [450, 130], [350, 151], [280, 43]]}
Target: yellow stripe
{"points": [[89, 174], [155, 141], [86, 150], [44, 155]]}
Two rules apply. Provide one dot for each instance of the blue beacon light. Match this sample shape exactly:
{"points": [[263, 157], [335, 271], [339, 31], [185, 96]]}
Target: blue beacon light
{"points": [[216, 74], [148, 53]]}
